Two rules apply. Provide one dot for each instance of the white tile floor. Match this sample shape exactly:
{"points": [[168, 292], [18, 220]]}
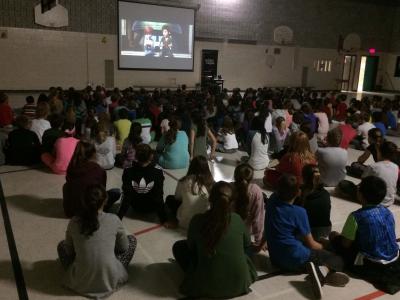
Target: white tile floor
{"points": [[35, 208]]}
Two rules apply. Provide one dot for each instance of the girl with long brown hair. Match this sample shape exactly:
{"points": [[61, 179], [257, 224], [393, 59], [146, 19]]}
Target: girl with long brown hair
{"points": [[298, 155], [191, 194], [173, 147], [216, 248]]}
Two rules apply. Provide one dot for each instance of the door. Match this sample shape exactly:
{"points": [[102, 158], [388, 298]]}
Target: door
{"points": [[368, 73], [371, 70]]}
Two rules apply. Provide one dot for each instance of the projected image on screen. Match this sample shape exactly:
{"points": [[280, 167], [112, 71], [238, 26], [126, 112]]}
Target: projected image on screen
{"points": [[155, 37]]}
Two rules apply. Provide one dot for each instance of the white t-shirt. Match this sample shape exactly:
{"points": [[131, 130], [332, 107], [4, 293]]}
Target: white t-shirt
{"points": [[259, 158], [363, 131], [39, 126], [230, 141], [323, 124], [268, 124], [106, 152], [192, 204], [388, 172]]}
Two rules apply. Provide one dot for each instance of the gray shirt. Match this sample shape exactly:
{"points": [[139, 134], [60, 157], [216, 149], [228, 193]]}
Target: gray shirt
{"points": [[332, 165], [96, 272], [389, 172]]}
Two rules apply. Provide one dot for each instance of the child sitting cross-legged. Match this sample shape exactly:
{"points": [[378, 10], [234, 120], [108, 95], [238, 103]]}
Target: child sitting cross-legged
{"points": [[290, 243], [96, 251], [368, 239]]}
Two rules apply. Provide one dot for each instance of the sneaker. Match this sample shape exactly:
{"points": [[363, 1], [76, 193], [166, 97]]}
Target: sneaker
{"points": [[315, 283], [337, 279]]}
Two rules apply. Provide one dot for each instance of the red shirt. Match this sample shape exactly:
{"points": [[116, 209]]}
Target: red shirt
{"points": [[341, 111], [6, 114], [349, 133], [292, 164]]}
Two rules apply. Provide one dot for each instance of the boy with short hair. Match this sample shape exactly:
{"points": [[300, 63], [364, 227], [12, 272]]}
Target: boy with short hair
{"points": [[368, 239], [284, 224]]}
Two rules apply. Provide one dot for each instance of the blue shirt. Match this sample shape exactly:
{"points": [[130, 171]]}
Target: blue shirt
{"points": [[381, 126], [283, 222], [376, 236], [392, 122]]}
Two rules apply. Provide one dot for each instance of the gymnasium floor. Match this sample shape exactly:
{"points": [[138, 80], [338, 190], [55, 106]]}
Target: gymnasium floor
{"points": [[35, 209]]}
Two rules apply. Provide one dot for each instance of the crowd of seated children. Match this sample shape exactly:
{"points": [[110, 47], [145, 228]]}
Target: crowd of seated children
{"points": [[216, 246], [96, 251], [367, 242], [332, 160], [201, 114], [191, 193]]}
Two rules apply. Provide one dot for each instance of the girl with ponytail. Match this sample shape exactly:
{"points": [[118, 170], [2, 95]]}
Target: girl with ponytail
{"points": [[96, 252], [83, 171], [216, 248], [249, 202], [173, 147]]}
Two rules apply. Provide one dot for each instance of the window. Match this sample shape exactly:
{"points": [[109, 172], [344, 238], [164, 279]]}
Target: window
{"points": [[323, 65]]}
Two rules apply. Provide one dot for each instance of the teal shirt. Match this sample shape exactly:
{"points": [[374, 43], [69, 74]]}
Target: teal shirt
{"points": [[176, 155]]}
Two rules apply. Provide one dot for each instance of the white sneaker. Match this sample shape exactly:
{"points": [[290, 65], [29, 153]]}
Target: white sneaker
{"points": [[315, 282]]}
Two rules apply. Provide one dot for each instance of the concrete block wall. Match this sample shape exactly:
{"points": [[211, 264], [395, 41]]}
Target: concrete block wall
{"points": [[37, 59], [316, 23]]}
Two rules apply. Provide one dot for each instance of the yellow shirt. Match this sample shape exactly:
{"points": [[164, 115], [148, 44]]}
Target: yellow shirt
{"points": [[123, 127]]}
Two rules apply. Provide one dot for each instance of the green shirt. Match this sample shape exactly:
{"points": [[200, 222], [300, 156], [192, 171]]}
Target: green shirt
{"points": [[349, 230], [226, 274]]}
